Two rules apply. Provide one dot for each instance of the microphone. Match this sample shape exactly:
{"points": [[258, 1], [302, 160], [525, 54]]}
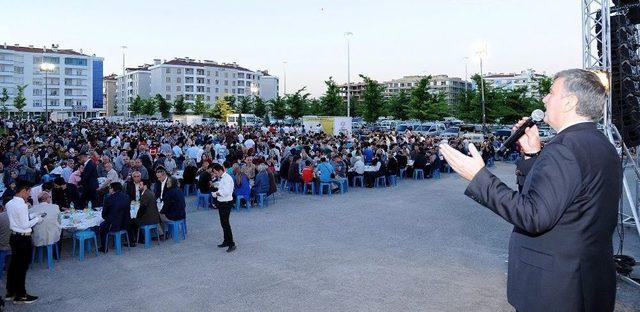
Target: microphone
{"points": [[536, 117]]}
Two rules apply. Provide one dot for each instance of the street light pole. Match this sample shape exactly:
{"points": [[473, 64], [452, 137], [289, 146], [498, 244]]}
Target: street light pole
{"points": [[124, 80], [348, 36], [46, 67], [284, 69], [484, 115]]}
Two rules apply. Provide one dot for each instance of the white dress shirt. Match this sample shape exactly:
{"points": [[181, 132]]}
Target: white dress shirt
{"points": [[225, 188], [18, 212]]}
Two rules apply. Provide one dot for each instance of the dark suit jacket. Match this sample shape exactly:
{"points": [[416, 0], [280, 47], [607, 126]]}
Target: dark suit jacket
{"points": [[116, 211], [64, 198], [89, 179], [560, 251], [130, 190], [173, 204], [148, 211]]}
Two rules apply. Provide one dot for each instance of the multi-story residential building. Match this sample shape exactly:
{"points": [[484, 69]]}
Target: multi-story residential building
{"points": [[355, 90], [73, 85], [269, 85], [510, 81], [206, 79], [191, 79], [136, 82], [109, 94], [449, 86]]}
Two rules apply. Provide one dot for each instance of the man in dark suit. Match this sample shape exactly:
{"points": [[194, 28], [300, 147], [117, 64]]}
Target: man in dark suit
{"points": [[63, 194], [560, 252], [147, 214], [116, 213], [132, 187], [88, 180]]}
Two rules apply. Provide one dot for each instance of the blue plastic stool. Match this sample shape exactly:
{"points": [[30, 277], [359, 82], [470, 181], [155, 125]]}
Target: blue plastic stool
{"points": [[147, 234], [175, 227], [313, 187], [117, 241], [358, 178], [343, 184], [435, 173], [186, 189], [50, 250], [381, 180], [81, 237], [321, 188], [203, 200], [283, 184], [392, 180], [418, 174], [238, 202], [403, 173], [295, 187], [263, 200]]}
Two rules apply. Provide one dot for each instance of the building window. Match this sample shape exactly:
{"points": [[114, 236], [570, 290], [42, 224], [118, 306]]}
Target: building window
{"points": [[179, 70], [226, 82], [233, 91], [208, 98], [233, 83], [168, 88], [241, 75], [200, 72], [208, 89], [216, 74], [37, 92], [178, 88], [168, 70], [18, 70], [226, 91], [217, 90], [168, 80], [208, 81], [178, 80], [37, 103], [226, 75], [167, 96], [75, 61]]}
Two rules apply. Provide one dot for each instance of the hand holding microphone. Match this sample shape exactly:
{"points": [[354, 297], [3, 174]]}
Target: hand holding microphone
{"points": [[526, 133]]}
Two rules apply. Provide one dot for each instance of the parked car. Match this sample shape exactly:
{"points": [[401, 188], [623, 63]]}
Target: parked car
{"points": [[430, 129], [451, 133], [502, 133]]}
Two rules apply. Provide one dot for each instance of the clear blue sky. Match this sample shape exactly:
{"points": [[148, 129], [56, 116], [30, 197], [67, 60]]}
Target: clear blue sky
{"points": [[391, 38]]}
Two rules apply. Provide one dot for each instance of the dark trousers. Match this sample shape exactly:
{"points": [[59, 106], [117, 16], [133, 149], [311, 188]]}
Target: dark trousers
{"points": [[20, 260], [224, 210], [104, 229]]}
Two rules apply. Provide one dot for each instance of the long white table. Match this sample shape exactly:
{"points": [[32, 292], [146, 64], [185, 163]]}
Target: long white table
{"points": [[83, 219]]}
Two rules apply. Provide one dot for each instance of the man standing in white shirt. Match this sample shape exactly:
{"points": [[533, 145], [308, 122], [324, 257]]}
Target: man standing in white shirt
{"points": [[21, 246], [224, 197]]}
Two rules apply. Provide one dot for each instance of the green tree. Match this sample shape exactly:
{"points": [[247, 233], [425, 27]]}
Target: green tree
{"points": [[259, 107], [278, 107], [426, 105], [372, 99], [200, 107], [19, 102], [231, 100], [314, 107], [164, 107], [137, 106], [245, 105], [180, 107], [296, 103], [221, 110], [332, 102], [149, 107], [398, 105], [3, 99]]}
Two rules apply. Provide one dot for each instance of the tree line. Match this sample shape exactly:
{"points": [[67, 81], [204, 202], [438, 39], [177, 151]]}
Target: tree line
{"points": [[422, 103]]}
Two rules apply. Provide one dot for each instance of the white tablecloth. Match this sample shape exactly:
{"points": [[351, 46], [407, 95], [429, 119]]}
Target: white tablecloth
{"points": [[369, 169], [409, 162], [81, 220]]}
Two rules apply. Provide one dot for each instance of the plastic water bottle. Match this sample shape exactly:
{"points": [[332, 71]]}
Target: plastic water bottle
{"points": [[72, 206], [89, 205]]}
